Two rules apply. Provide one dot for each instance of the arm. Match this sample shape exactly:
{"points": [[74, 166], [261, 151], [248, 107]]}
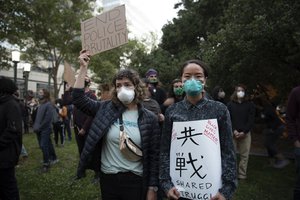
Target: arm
{"points": [[88, 122], [153, 158], [13, 128], [80, 100], [164, 162], [291, 116], [228, 158], [251, 118]]}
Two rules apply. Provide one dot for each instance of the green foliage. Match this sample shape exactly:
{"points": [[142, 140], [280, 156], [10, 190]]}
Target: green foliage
{"points": [[250, 42], [46, 30]]}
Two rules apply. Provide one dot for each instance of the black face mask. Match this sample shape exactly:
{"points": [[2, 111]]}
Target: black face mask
{"points": [[40, 97]]}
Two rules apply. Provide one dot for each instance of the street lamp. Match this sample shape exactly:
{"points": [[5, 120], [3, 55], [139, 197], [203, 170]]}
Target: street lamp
{"points": [[15, 57], [26, 70], [49, 72]]}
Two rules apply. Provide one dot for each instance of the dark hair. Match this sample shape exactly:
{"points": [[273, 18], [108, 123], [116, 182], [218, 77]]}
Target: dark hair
{"points": [[133, 76], [46, 94], [198, 62], [7, 86], [171, 91]]}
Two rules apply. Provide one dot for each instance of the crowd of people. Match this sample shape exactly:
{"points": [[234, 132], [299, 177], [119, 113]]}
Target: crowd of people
{"points": [[145, 114]]}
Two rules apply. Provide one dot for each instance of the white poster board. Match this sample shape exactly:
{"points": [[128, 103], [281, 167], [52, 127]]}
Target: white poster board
{"points": [[105, 31], [195, 162]]}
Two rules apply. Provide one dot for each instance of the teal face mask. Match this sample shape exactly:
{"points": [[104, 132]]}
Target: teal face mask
{"points": [[178, 91], [193, 87]]}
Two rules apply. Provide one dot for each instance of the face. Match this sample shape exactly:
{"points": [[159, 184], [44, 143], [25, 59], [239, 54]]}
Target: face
{"points": [[125, 82], [177, 85], [195, 71], [239, 89]]}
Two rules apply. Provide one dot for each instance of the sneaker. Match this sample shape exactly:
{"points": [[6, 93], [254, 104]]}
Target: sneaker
{"points": [[279, 164], [45, 169], [53, 162]]}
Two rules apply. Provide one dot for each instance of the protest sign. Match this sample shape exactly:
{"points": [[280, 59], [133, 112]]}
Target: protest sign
{"points": [[69, 74], [105, 31], [195, 162]]}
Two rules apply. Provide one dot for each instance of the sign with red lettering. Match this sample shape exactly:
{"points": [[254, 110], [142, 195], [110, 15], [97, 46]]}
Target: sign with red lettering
{"points": [[195, 158], [105, 31]]}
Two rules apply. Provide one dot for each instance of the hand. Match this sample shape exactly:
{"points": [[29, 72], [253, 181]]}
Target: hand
{"points": [[84, 58], [81, 132], [151, 195], [236, 134], [218, 196], [297, 143], [173, 193], [161, 117], [68, 87]]}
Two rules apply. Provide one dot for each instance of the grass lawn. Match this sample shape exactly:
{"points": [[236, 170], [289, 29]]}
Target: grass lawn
{"points": [[263, 181]]}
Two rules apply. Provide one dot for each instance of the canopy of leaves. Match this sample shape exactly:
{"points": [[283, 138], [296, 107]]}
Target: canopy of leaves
{"points": [[243, 41]]}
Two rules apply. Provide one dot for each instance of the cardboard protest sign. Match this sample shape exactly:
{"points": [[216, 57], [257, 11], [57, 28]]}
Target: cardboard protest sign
{"points": [[105, 31], [195, 162], [69, 74]]}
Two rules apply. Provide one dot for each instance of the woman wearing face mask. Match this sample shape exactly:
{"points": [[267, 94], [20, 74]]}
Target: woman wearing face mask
{"points": [[218, 94], [175, 95], [195, 107], [121, 178], [242, 112]]}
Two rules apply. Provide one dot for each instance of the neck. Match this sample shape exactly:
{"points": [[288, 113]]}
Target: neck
{"points": [[131, 106], [196, 99]]}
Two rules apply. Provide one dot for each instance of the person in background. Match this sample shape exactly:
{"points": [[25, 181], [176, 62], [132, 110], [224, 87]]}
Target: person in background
{"points": [[43, 128], [218, 94], [293, 126], [10, 138], [195, 106], [274, 130], [175, 95], [121, 178], [82, 124], [242, 112], [157, 93], [58, 124], [151, 104], [105, 92]]}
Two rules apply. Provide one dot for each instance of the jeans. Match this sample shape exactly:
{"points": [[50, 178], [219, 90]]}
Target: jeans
{"points": [[58, 132], [271, 137], [8, 184], [68, 129], [297, 184], [121, 186], [46, 146]]}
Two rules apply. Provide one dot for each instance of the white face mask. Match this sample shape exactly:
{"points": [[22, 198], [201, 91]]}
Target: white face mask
{"points": [[126, 95], [221, 94], [240, 94]]}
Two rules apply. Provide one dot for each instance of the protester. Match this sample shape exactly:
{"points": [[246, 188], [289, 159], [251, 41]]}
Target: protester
{"points": [[218, 94], [242, 112], [121, 177], [293, 125], [43, 128], [273, 131], [82, 124], [157, 93], [10, 138], [196, 107], [58, 123], [175, 94]]}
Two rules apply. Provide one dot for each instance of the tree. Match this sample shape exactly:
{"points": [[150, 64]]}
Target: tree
{"points": [[248, 41], [47, 30]]}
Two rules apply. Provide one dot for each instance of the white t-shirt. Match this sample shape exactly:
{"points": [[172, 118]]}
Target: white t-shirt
{"points": [[112, 160]]}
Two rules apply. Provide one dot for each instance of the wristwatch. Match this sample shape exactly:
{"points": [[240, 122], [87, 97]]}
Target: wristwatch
{"points": [[154, 188]]}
